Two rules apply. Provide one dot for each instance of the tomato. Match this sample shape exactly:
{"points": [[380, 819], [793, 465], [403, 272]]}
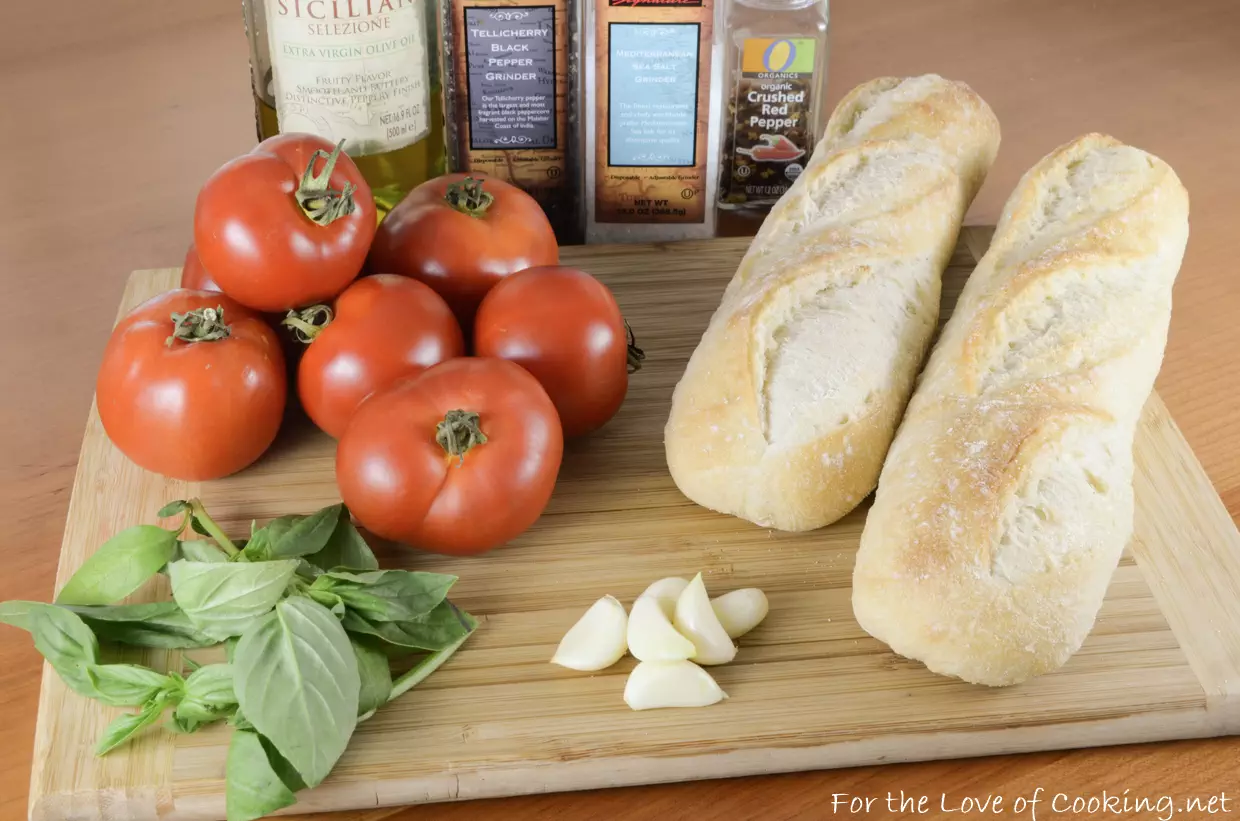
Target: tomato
{"points": [[194, 274], [461, 235], [563, 326], [193, 399], [459, 459], [385, 327], [286, 225]]}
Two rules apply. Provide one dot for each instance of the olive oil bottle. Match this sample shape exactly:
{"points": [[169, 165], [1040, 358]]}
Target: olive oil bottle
{"points": [[775, 100], [369, 72]]}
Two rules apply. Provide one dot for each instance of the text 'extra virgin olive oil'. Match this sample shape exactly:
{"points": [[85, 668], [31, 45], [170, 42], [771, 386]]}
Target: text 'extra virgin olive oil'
{"points": [[512, 85], [369, 72], [776, 53]]}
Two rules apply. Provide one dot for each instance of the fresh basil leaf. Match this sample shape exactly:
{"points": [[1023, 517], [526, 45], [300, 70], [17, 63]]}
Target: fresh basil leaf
{"points": [[209, 697], [345, 548], [126, 685], [252, 787], [239, 720], [287, 772], [120, 566], [199, 550], [432, 662], [388, 595], [308, 571], [68, 645], [230, 648], [257, 549], [434, 631], [158, 624], [17, 613], [290, 537], [172, 508], [198, 527], [376, 676], [128, 725], [223, 600], [297, 681]]}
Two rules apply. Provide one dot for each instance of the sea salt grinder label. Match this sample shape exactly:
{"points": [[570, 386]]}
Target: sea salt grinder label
{"points": [[769, 142], [352, 70]]}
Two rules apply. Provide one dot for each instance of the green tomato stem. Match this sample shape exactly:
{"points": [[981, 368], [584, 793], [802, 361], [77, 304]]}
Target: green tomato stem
{"points": [[468, 197], [636, 354], [199, 325], [200, 513], [307, 323], [318, 200], [459, 432]]}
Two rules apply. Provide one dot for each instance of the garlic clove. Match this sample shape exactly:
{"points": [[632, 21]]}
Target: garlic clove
{"points": [[741, 610], [695, 619], [652, 636], [597, 640], [666, 592], [655, 684]]}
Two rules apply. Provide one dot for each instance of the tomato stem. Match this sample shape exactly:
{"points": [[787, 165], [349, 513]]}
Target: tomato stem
{"points": [[636, 354], [199, 325], [468, 197], [320, 202], [306, 324], [458, 432]]}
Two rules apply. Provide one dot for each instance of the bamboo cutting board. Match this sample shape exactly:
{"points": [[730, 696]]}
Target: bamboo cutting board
{"points": [[808, 689]]}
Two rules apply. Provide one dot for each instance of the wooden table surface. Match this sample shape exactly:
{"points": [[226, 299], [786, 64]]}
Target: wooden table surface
{"points": [[115, 112]]}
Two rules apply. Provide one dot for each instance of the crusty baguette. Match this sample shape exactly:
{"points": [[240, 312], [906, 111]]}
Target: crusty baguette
{"points": [[1006, 499], [788, 404]]}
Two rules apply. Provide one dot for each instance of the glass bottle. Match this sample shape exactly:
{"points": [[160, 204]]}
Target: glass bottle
{"points": [[775, 98], [366, 71]]}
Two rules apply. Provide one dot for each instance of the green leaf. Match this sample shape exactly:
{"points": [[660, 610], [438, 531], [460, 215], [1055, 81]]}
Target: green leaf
{"points": [[127, 685], [128, 725], [289, 537], [252, 787], [387, 595], [345, 548], [209, 697], [297, 681], [223, 600], [159, 624], [66, 642], [376, 676], [120, 566], [173, 508], [432, 662], [199, 550], [287, 772], [436, 630]]}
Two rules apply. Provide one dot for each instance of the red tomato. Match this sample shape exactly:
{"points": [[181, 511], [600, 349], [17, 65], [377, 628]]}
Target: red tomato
{"points": [[286, 225], [386, 327], [459, 459], [563, 326], [194, 275], [462, 234], [196, 399]]}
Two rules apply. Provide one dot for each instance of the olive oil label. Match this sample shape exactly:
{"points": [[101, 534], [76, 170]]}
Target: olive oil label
{"points": [[654, 76], [511, 88], [352, 70], [768, 141]]}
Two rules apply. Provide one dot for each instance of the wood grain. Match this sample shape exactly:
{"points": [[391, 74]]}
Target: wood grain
{"points": [[163, 88], [809, 689]]}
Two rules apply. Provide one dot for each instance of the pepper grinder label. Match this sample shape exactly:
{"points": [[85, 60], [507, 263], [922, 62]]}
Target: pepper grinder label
{"points": [[511, 68]]}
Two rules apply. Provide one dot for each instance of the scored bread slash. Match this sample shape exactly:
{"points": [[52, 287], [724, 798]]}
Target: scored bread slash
{"points": [[598, 639]]}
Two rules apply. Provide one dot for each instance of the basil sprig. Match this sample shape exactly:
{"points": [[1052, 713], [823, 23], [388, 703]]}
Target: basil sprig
{"points": [[309, 621]]}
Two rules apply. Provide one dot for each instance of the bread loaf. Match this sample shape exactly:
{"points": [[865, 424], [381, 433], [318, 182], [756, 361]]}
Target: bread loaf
{"points": [[1006, 499], [788, 404]]}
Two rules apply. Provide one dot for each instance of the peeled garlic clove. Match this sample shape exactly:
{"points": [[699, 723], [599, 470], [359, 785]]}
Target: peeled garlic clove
{"points": [[740, 611], [652, 636], [654, 684], [597, 640], [696, 621], [666, 592]]}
